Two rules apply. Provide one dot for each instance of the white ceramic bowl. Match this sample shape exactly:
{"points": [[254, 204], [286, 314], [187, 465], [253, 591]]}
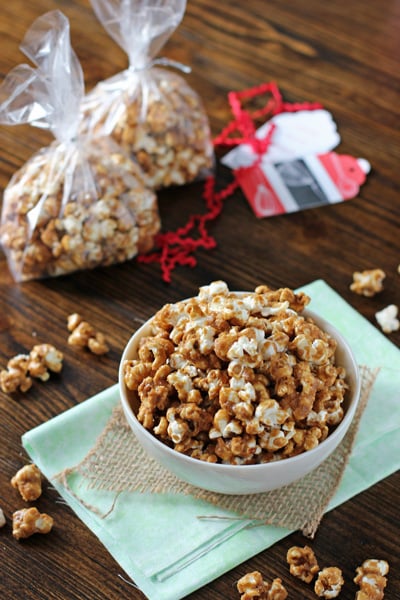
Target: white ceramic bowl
{"points": [[243, 479]]}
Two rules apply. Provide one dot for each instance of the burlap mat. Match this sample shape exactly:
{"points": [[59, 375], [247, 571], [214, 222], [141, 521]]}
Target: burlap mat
{"points": [[117, 463]]}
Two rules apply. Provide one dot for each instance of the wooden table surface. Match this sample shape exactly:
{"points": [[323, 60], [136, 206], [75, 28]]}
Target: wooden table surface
{"points": [[344, 55]]}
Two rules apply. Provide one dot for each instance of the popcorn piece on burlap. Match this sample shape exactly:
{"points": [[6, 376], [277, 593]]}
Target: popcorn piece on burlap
{"points": [[118, 463]]}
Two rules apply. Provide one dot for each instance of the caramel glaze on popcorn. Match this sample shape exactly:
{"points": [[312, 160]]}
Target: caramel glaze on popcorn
{"points": [[39, 363], [252, 586], [371, 579], [84, 335], [28, 481], [302, 563], [368, 283], [28, 521], [329, 583], [238, 379]]}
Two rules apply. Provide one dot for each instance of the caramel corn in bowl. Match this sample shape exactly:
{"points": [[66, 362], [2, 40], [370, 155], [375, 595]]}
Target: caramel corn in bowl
{"points": [[239, 392]]}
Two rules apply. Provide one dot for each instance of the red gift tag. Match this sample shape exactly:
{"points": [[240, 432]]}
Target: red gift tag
{"points": [[307, 182]]}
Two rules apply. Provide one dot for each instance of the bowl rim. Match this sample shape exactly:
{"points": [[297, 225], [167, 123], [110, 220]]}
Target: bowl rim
{"points": [[338, 431]]}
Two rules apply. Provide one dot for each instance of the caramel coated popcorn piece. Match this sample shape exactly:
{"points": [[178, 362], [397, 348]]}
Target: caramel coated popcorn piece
{"points": [[85, 335], [303, 563], [238, 379], [42, 359], [329, 582], [253, 587], [277, 591], [368, 282], [15, 376], [28, 521], [2, 518], [371, 579], [387, 318], [28, 481]]}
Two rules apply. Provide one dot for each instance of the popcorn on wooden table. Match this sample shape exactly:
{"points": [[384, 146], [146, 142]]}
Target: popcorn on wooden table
{"points": [[371, 578], [329, 582], [15, 376], [28, 521], [252, 586], [28, 481], [84, 335], [39, 363], [387, 318], [302, 563], [368, 283], [43, 359]]}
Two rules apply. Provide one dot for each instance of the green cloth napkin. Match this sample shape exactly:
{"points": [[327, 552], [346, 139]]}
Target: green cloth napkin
{"points": [[158, 539]]}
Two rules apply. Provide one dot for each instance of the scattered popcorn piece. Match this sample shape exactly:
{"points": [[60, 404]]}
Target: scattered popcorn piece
{"points": [[371, 579], [253, 587], [28, 481], [237, 379], [368, 283], [303, 563], [387, 318], [21, 368], [16, 376], [73, 321], [84, 335], [29, 521], [44, 358], [329, 582], [2, 518], [277, 591]]}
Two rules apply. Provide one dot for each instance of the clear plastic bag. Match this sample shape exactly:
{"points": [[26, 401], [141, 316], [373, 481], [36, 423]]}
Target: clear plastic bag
{"points": [[150, 111], [78, 203]]}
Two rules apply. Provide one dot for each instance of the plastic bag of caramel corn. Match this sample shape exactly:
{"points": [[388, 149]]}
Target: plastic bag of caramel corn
{"points": [[80, 202], [148, 109]]}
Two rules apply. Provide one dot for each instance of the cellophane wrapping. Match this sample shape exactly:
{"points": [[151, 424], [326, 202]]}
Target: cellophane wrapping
{"points": [[80, 202], [151, 111]]}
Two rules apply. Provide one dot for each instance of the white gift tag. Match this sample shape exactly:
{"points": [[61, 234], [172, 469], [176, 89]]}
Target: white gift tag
{"points": [[296, 134]]}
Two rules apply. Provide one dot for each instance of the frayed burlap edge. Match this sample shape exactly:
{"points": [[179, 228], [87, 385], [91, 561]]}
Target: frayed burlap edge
{"points": [[117, 463]]}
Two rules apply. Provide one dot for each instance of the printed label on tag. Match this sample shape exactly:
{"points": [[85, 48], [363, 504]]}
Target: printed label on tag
{"points": [[307, 182]]}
